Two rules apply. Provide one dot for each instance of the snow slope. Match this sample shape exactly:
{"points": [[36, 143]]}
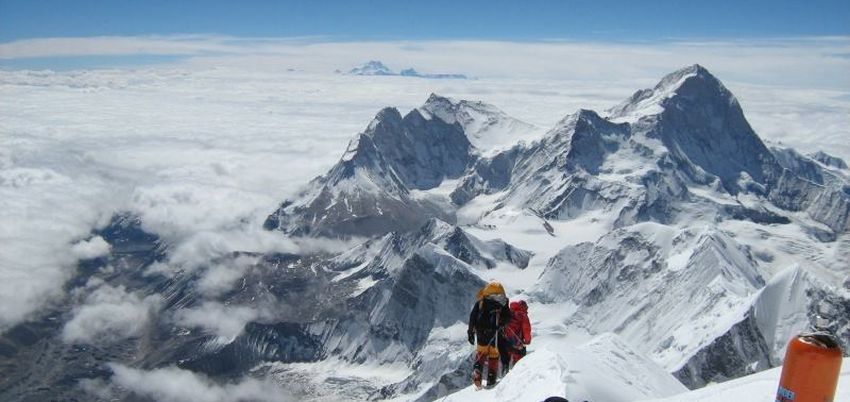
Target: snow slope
{"points": [[760, 387], [574, 376], [604, 369]]}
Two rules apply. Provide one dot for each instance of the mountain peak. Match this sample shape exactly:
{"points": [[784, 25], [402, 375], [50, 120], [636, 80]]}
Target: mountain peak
{"points": [[586, 114], [487, 127], [693, 82], [701, 122], [694, 70], [371, 67], [436, 98], [387, 115], [579, 117], [442, 107]]}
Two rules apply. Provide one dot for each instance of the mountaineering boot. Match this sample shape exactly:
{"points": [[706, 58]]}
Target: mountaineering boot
{"points": [[492, 371], [476, 376]]}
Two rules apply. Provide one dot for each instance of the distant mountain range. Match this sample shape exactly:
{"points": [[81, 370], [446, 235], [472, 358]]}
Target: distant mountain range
{"points": [[375, 67], [705, 232]]}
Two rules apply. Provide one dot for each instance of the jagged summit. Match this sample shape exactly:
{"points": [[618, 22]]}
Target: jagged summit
{"points": [[673, 80], [693, 82], [641, 162], [487, 127], [643, 159], [829, 160], [702, 125], [372, 67], [375, 67]]}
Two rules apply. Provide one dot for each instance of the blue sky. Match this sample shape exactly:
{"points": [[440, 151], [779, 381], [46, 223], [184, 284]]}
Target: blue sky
{"points": [[80, 34], [432, 19]]}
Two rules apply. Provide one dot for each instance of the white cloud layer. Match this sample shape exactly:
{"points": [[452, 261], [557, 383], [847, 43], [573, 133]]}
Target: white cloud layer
{"points": [[221, 320], [91, 248], [172, 384], [806, 61], [109, 314], [205, 148]]}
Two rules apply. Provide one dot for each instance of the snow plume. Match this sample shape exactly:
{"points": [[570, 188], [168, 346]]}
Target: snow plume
{"points": [[172, 384], [109, 314]]}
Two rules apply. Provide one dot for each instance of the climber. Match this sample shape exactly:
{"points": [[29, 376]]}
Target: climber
{"points": [[517, 334], [489, 316]]}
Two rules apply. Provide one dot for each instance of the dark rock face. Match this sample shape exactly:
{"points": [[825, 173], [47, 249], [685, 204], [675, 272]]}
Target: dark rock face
{"points": [[285, 342], [592, 139], [426, 293], [704, 125], [829, 205], [798, 164], [489, 175], [421, 152], [739, 352], [368, 192], [829, 160]]}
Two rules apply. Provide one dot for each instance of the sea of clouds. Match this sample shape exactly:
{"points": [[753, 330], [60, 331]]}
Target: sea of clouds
{"points": [[205, 147]]}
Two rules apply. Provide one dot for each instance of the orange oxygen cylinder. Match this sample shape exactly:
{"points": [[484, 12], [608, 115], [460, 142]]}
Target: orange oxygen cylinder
{"points": [[811, 368]]}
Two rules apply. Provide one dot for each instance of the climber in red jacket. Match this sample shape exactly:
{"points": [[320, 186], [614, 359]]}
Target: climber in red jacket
{"points": [[517, 334]]}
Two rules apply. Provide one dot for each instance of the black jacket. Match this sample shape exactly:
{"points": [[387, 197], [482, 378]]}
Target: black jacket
{"points": [[488, 317]]}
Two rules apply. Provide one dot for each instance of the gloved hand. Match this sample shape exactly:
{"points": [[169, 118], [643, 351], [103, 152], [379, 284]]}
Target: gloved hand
{"points": [[470, 336]]}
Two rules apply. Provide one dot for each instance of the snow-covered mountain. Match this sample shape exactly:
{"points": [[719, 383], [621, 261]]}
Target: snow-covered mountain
{"points": [[371, 67], [692, 216], [660, 245], [375, 67]]}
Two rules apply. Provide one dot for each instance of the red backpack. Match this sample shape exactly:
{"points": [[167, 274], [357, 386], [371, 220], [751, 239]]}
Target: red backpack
{"points": [[518, 330]]}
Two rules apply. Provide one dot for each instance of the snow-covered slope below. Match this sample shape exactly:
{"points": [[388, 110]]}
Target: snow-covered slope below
{"points": [[604, 369], [673, 292], [616, 375], [760, 387]]}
